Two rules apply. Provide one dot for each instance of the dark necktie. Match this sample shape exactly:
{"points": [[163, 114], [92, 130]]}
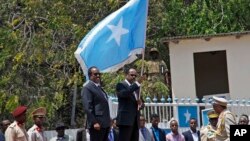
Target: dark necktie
{"points": [[103, 93]]}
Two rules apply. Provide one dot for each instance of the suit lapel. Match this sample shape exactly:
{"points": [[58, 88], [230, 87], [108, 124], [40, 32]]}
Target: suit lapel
{"points": [[127, 86], [190, 136], [100, 91]]}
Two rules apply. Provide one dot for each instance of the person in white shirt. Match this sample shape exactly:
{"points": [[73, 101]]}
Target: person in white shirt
{"points": [[193, 134]]}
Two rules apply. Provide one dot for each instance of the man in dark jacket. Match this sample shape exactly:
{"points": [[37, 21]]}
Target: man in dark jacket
{"points": [[193, 134], [128, 107], [95, 102], [157, 133]]}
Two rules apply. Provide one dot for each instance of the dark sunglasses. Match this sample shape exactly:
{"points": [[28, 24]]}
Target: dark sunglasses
{"points": [[95, 74], [133, 75]]}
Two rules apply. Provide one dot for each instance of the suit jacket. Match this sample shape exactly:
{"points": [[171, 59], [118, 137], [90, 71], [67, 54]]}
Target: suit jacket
{"points": [[162, 135], [149, 137], [96, 105], [128, 112], [188, 135]]}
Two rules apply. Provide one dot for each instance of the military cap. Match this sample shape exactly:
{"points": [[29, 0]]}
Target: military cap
{"points": [[19, 111], [154, 50], [219, 100], [212, 114], [41, 111]]}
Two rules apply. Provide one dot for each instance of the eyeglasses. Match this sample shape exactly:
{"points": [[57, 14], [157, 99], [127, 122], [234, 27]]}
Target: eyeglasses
{"points": [[133, 75], [95, 74]]}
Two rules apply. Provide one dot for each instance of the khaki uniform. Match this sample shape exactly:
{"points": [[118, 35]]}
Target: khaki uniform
{"points": [[208, 133], [226, 118], [16, 132], [36, 134], [154, 71]]}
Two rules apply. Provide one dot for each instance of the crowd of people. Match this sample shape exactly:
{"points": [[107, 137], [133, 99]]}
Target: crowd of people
{"points": [[16, 130], [129, 125]]}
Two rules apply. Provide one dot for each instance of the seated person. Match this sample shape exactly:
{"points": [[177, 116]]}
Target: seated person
{"points": [[192, 134], [174, 135], [144, 134], [157, 133]]}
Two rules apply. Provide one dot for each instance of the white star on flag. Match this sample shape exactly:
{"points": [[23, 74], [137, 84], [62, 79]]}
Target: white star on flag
{"points": [[187, 115], [117, 32]]}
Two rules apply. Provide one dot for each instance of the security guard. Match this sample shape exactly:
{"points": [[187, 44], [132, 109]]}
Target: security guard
{"points": [[156, 71], [226, 118], [36, 132], [208, 132], [16, 130], [155, 66]]}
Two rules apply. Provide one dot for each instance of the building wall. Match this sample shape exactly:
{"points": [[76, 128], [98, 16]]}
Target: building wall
{"points": [[238, 63]]}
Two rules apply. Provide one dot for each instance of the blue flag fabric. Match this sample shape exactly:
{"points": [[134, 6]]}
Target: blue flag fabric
{"points": [[116, 40], [185, 113], [205, 120]]}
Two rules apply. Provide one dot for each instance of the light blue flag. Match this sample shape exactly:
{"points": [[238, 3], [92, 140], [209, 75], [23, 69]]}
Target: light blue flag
{"points": [[205, 120], [185, 113], [116, 40]]}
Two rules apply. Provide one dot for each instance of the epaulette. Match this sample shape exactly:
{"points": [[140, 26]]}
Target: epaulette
{"points": [[12, 125]]}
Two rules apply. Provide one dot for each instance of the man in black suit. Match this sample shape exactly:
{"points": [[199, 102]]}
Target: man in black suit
{"points": [[129, 104], [157, 133], [193, 134], [95, 102]]}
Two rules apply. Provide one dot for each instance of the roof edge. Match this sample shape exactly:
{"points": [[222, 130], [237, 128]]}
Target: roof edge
{"points": [[206, 37]]}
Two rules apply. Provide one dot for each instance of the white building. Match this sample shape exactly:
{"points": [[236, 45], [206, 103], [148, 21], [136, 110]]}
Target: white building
{"points": [[210, 65]]}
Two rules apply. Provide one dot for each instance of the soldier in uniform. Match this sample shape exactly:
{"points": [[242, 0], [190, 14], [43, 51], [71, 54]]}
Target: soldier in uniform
{"points": [[156, 67], [226, 118], [16, 130], [36, 132], [156, 70], [208, 132]]}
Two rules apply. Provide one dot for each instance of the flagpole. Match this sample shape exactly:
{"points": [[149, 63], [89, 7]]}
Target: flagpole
{"points": [[143, 53], [142, 69]]}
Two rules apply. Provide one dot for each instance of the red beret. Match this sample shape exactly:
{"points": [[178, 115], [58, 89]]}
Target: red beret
{"points": [[19, 111]]}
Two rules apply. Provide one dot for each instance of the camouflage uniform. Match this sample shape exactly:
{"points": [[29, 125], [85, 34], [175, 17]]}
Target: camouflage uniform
{"points": [[208, 133], [156, 70]]}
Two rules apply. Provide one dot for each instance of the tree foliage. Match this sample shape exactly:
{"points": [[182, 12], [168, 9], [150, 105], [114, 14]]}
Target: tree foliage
{"points": [[38, 39]]}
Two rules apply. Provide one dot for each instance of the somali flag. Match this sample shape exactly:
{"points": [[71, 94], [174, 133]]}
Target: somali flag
{"points": [[185, 113], [116, 40]]}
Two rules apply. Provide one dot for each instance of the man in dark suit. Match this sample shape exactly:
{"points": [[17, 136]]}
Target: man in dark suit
{"points": [[193, 134], [129, 104], [95, 102], [157, 133]]}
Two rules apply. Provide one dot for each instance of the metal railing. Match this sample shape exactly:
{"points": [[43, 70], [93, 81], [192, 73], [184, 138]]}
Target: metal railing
{"points": [[168, 111]]}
